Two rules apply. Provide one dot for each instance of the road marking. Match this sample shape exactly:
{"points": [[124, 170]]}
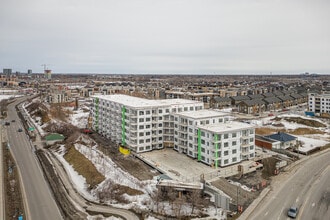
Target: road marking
{"points": [[297, 199], [279, 217], [313, 204]]}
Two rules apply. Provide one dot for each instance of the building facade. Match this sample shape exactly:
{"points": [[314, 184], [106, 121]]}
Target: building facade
{"points": [[139, 124], [144, 125], [319, 103]]}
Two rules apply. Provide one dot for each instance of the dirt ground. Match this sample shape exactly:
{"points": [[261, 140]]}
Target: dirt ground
{"points": [[244, 198]]}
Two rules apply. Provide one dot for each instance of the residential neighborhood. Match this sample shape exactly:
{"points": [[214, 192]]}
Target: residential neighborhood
{"points": [[161, 136]]}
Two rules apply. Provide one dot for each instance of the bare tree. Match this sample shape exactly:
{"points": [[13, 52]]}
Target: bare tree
{"points": [[179, 202], [195, 199]]}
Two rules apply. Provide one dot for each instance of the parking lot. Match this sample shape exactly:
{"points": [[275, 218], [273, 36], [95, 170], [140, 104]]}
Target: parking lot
{"points": [[183, 168]]}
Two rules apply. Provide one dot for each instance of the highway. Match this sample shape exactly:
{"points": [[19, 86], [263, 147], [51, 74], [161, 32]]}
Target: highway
{"points": [[39, 201], [306, 186]]}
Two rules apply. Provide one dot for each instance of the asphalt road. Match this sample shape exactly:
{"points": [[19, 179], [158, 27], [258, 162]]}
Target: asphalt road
{"points": [[39, 200], [306, 187]]}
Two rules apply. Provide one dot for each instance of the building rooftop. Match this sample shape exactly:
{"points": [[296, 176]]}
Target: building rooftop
{"points": [[136, 102], [281, 136], [205, 113], [227, 126]]}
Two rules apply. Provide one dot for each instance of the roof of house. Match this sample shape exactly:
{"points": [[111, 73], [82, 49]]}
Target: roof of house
{"points": [[280, 136], [268, 94], [54, 137], [271, 100], [296, 95], [253, 102], [285, 98], [222, 99], [256, 96], [240, 97]]}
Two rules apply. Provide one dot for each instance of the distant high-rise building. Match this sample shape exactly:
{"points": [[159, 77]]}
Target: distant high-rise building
{"points": [[7, 72], [48, 74], [29, 71]]}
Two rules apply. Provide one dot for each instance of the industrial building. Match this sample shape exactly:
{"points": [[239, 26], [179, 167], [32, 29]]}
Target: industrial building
{"points": [[144, 125]]}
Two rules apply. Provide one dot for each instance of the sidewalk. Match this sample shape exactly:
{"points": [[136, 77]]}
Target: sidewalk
{"points": [[274, 185]]}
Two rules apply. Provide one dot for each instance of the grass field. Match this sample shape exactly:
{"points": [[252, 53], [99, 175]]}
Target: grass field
{"points": [[84, 167]]}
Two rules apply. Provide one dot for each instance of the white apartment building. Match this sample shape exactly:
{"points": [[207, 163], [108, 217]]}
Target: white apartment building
{"points": [[225, 143], [210, 137], [137, 123], [319, 103], [186, 125]]}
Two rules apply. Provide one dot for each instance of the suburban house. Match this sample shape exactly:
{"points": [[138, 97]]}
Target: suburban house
{"points": [[267, 143], [286, 140], [252, 106]]}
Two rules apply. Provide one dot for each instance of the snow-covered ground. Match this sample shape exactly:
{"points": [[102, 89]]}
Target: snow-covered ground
{"points": [[2, 97], [115, 175], [309, 141], [78, 118]]}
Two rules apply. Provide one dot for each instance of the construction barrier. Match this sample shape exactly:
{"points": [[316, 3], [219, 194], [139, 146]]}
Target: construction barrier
{"points": [[124, 150]]}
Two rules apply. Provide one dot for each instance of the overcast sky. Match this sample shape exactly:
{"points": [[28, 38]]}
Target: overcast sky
{"points": [[166, 36]]}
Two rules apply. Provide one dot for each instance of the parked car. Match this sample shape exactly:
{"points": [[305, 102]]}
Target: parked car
{"points": [[13, 120], [20, 130], [293, 212], [7, 123]]}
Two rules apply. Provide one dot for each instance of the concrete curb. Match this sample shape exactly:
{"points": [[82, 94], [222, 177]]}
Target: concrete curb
{"points": [[254, 204]]}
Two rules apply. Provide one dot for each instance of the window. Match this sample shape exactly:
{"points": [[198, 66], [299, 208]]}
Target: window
{"points": [[191, 108], [141, 141], [185, 109], [141, 134], [141, 127], [148, 119], [225, 153], [141, 148], [147, 126], [220, 120], [225, 136], [234, 151], [147, 112], [141, 119], [234, 159], [203, 150], [141, 112], [234, 143], [225, 144], [167, 110], [251, 131], [233, 135], [251, 147], [225, 161], [160, 111]]}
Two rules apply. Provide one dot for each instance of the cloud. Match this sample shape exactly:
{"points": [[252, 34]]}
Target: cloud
{"points": [[185, 36]]}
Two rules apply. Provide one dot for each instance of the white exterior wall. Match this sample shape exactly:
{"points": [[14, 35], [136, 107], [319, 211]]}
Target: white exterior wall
{"points": [[144, 125], [232, 145], [185, 135], [319, 103]]}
